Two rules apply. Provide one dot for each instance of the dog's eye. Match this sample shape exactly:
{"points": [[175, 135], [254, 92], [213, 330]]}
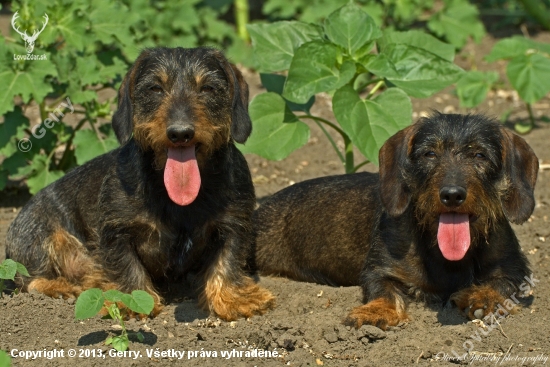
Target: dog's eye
{"points": [[207, 88], [430, 154], [480, 156], [156, 89]]}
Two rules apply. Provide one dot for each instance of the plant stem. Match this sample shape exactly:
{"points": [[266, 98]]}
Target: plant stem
{"points": [[360, 165], [538, 10], [375, 88], [369, 83], [531, 116], [241, 19], [332, 142], [65, 156], [349, 154], [340, 131]]}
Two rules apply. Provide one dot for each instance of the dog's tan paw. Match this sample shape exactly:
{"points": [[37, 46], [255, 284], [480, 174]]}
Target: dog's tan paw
{"points": [[479, 301], [380, 313]]}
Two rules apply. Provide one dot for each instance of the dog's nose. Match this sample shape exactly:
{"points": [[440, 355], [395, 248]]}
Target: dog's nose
{"points": [[180, 134], [452, 195]]}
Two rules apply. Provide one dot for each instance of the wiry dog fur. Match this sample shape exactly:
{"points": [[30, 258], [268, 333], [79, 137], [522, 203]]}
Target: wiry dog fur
{"points": [[380, 231], [110, 222]]}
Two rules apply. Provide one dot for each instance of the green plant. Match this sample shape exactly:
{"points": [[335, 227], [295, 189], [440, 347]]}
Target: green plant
{"points": [[528, 71], [5, 360], [8, 270], [91, 301], [370, 91], [455, 20], [88, 46]]}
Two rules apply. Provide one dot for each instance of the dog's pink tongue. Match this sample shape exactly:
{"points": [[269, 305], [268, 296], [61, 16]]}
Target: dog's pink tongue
{"points": [[181, 175], [453, 235]]}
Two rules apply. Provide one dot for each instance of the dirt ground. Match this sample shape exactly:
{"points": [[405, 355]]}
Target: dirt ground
{"points": [[305, 328]]}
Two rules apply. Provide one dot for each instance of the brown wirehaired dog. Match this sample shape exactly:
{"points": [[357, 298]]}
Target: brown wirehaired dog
{"points": [[433, 222], [176, 197]]}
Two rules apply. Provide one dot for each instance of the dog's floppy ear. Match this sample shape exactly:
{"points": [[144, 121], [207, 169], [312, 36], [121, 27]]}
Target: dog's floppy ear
{"points": [[393, 158], [241, 126], [123, 124], [521, 168], [123, 117]]}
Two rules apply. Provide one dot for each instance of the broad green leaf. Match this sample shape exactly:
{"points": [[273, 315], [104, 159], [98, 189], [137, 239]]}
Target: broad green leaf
{"points": [[120, 343], [315, 69], [351, 28], [8, 269], [113, 295], [530, 76], [457, 22], [369, 123], [418, 72], [21, 269], [274, 44], [472, 88], [418, 39], [89, 146], [11, 130], [509, 48], [276, 131], [105, 18], [275, 83], [42, 179], [139, 301], [5, 360], [89, 303], [30, 82]]}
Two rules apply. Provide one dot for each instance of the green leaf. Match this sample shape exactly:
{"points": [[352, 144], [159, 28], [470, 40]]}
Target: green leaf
{"points": [[418, 72], [12, 130], [113, 295], [139, 337], [109, 340], [5, 360], [315, 69], [418, 39], [89, 303], [274, 44], [105, 18], [21, 269], [139, 301], [509, 48], [89, 146], [529, 75], [25, 84], [523, 128], [120, 343], [369, 123], [351, 28], [8, 269], [42, 176], [457, 22], [276, 131], [275, 83], [472, 88]]}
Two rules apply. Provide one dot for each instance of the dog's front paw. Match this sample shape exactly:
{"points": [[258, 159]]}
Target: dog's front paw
{"points": [[479, 301], [230, 302], [380, 313]]}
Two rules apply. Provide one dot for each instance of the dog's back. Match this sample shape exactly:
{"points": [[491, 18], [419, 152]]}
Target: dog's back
{"points": [[321, 240]]}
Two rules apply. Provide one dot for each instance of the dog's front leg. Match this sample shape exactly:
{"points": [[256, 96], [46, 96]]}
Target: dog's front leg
{"points": [[384, 306], [230, 293]]}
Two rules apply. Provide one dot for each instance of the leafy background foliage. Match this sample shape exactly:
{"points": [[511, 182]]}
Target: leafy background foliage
{"points": [[364, 55]]}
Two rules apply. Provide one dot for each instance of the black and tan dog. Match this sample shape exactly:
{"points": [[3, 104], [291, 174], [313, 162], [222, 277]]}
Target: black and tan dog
{"points": [[433, 222], [176, 197]]}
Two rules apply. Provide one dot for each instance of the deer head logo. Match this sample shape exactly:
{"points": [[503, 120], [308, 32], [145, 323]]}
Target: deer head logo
{"points": [[29, 40]]}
